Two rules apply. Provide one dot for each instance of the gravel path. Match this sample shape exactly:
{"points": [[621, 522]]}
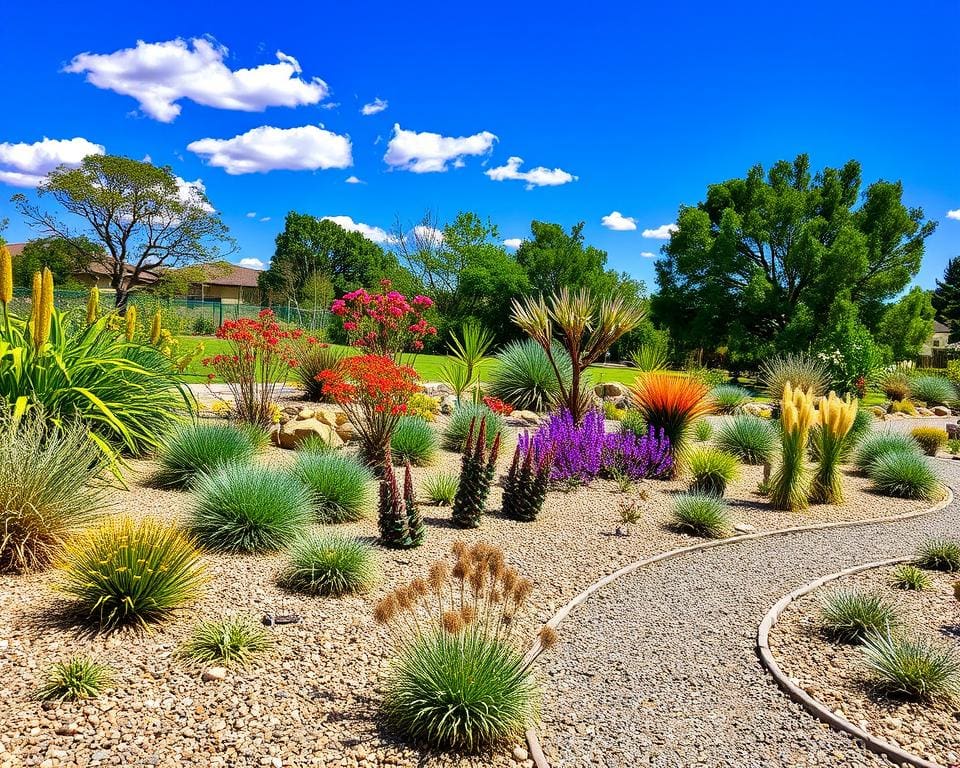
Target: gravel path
{"points": [[659, 669]]}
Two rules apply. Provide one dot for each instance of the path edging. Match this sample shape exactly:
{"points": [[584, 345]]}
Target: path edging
{"points": [[534, 747], [815, 707]]}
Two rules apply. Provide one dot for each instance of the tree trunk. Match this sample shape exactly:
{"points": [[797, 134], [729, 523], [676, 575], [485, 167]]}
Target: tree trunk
{"points": [[120, 297]]}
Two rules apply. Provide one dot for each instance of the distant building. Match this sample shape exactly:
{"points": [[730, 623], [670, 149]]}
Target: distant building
{"points": [[939, 339], [238, 285]]}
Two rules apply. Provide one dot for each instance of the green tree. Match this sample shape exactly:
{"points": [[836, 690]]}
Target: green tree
{"points": [[946, 297], [64, 259], [142, 217], [553, 258], [175, 283], [847, 347], [906, 325], [757, 263]]}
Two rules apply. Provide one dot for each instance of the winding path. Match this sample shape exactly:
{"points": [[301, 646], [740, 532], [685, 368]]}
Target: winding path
{"points": [[659, 667]]}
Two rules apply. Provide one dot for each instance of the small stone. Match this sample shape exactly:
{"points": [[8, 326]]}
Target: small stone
{"points": [[520, 754], [744, 528], [67, 730], [214, 673]]}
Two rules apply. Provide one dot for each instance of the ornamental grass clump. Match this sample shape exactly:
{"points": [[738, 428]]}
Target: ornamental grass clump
{"points": [[526, 484], [895, 384], [751, 439], [932, 390], [701, 514], [801, 371], [702, 431], [931, 439], [711, 469], [465, 414], [477, 469], [441, 489], [525, 377], [836, 418], [633, 421], [939, 555], [912, 668], [198, 447], [341, 487], [249, 508], [729, 398], [905, 474], [876, 444], [233, 640], [849, 615], [127, 572], [790, 483], [398, 513], [49, 488], [313, 358], [80, 677], [910, 577], [330, 565], [671, 404], [413, 441], [459, 679]]}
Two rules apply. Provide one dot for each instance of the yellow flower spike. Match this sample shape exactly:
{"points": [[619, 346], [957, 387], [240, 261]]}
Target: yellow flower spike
{"points": [[6, 275], [131, 322], [35, 293], [93, 305], [44, 313], [156, 328]]}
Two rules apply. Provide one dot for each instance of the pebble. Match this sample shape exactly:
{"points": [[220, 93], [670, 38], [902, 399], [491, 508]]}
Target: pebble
{"points": [[210, 674]]}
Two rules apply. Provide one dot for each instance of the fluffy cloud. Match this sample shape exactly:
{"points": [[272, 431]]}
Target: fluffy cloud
{"points": [[194, 192], [265, 218], [954, 214], [375, 106], [648, 254], [618, 222], [513, 242], [427, 235], [660, 233], [269, 149], [537, 177], [251, 214], [371, 233], [158, 75], [430, 152], [251, 263], [352, 180], [26, 165]]}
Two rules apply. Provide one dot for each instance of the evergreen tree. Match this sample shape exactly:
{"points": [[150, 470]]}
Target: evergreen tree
{"points": [[946, 297]]}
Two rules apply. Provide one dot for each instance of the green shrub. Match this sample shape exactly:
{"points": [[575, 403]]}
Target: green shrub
{"points": [[711, 469], [633, 421], [700, 514], [931, 439], [330, 565], [463, 692], [127, 572], [903, 406], [849, 616], [413, 441], [702, 431], [524, 377], [729, 398], [258, 436], [905, 474], [441, 489], [341, 487], [876, 444], [455, 434], [312, 358], [650, 357], [895, 385], [801, 370], [908, 576], [314, 444], [953, 446], [912, 668], [249, 508], [611, 412], [201, 447], [234, 640], [47, 493], [751, 439], [77, 678], [933, 390], [939, 555]]}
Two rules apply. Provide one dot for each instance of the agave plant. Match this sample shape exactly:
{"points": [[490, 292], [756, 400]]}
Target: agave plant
{"points": [[525, 377]]}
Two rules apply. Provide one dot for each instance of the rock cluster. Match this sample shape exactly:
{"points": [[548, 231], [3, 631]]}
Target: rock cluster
{"points": [[330, 425]]}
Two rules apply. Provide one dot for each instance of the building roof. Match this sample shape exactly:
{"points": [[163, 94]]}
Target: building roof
{"points": [[939, 327], [242, 277]]}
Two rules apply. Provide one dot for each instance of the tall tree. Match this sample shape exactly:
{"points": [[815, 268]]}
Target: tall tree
{"points": [[142, 216], [553, 257], [907, 324], [756, 263], [946, 296]]}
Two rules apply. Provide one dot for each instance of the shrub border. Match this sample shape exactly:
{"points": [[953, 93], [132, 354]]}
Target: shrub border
{"points": [[533, 739]]}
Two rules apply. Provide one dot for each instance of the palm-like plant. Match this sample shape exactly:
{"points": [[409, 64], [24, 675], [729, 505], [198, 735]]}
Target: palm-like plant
{"points": [[462, 370], [586, 327]]}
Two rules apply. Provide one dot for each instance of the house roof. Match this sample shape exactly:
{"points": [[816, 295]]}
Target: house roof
{"points": [[94, 268], [242, 277], [939, 327]]}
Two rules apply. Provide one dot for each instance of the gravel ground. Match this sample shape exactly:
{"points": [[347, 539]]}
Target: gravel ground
{"points": [[836, 675], [314, 701], [659, 668]]}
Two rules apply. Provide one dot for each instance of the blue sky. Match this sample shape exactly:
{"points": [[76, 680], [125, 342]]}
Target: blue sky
{"points": [[644, 104]]}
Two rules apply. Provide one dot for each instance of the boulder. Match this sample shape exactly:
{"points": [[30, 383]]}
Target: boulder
{"points": [[940, 410], [436, 389], [924, 412], [611, 390], [291, 434], [306, 413], [953, 431], [526, 417], [448, 404]]}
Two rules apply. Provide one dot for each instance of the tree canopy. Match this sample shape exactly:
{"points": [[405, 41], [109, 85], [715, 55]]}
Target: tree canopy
{"points": [[946, 297], [907, 325], [63, 258]]}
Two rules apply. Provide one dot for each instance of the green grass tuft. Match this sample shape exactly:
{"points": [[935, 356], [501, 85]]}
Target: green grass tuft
{"points": [[330, 565], [710, 469], [876, 444], [441, 489], [914, 669], [201, 447], [932, 390], [751, 439], [455, 434], [701, 515], [77, 678], [702, 431], [340, 485], [905, 474], [939, 555], [413, 440], [524, 377], [908, 576], [234, 640], [729, 398], [849, 616]]}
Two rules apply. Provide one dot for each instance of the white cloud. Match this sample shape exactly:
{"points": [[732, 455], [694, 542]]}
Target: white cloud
{"points": [[954, 214], [251, 263], [330, 105], [426, 234], [265, 218], [430, 152], [27, 165], [353, 180], [537, 177], [370, 232], [375, 106], [269, 149], [193, 192], [251, 214], [159, 75], [660, 233], [618, 222], [513, 242], [648, 254]]}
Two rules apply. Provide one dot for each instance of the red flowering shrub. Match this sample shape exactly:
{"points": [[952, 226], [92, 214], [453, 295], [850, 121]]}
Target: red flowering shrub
{"points": [[384, 323], [373, 390], [497, 405], [260, 358]]}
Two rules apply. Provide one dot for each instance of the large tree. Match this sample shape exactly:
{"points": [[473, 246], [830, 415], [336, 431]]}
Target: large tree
{"points": [[946, 297], [553, 257], [758, 262], [906, 325], [143, 218]]}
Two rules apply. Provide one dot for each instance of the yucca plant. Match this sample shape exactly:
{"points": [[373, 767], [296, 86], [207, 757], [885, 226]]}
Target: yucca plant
{"points": [[801, 371], [650, 358], [876, 444], [933, 390], [586, 328], [939, 555], [701, 514], [441, 489], [461, 371], [702, 430], [671, 404], [398, 514], [414, 441], [525, 377], [910, 577], [905, 474], [477, 468], [49, 488], [341, 486], [850, 615], [711, 469], [729, 398], [912, 668], [249, 508], [232, 640], [751, 439], [313, 357], [80, 677], [330, 565], [130, 572], [200, 447], [836, 418], [465, 414], [790, 483], [931, 439], [526, 484]]}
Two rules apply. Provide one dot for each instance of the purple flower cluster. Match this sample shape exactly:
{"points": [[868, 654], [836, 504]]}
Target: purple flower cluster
{"points": [[584, 452]]}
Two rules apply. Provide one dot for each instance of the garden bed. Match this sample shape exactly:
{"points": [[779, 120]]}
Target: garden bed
{"points": [[836, 674], [315, 700]]}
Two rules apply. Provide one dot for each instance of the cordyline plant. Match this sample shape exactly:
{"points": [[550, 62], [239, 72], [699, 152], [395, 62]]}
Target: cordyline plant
{"points": [[398, 515], [386, 323], [836, 418], [586, 327], [260, 358], [374, 391], [790, 484], [671, 405], [476, 475]]}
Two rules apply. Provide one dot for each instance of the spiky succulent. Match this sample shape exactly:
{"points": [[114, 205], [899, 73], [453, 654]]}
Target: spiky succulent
{"points": [[525, 487], [476, 475]]}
